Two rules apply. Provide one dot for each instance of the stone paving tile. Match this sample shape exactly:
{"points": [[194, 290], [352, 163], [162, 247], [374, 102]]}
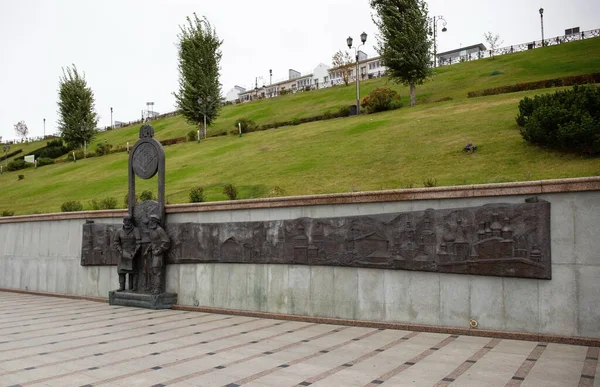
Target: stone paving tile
{"points": [[59, 342]]}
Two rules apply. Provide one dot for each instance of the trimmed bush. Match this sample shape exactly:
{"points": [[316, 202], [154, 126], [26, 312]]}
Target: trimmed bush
{"points": [[230, 190], [16, 165], [146, 195], [247, 124], [568, 119], [42, 161], [7, 213], [108, 203], [380, 100], [192, 135], [20, 177], [126, 201], [197, 195], [102, 149], [171, 141], [11, 154], [544, 84], [71, 205]]}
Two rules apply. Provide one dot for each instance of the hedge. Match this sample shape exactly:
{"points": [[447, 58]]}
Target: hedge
{"points": [[544, 84], [11, 154]]}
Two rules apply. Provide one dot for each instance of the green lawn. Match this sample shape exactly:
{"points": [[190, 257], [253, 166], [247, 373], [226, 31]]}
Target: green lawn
{"points": [[397, 149]]}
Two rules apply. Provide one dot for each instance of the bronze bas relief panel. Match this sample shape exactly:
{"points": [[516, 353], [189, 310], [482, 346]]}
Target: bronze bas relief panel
{"points": [[511, 240]]}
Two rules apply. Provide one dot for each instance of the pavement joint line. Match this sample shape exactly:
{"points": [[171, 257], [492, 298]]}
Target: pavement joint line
{"points": [[73, 339], [366, 356], [50, 328], [108, 352], [402, 367], [271, 370], [529, 362], [462, 368], [590, 364], [181, 361], [52, 313], [144, 356]]}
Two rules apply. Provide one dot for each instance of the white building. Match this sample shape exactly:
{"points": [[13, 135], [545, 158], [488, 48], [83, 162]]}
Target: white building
{"points": [[233, 94]]}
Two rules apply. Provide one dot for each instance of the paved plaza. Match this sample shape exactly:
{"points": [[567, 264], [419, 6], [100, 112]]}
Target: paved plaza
{"points": [[46, 341]]}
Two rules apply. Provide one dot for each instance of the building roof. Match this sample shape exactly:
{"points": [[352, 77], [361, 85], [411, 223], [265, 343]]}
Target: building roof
{"points": [[481, 46]]}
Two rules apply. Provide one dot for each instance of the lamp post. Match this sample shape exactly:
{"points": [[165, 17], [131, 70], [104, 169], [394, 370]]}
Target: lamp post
{"points": [[270, 77], [44, 128], [542, 23], [434, 21], [204, 105], [363, 39], [111, 118]]}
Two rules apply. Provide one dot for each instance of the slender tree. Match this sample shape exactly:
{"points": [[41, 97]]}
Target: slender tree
{"points": [[403, 41], [199, 95], [343, 62], [77, 118], [493, 40], [21, 129]]}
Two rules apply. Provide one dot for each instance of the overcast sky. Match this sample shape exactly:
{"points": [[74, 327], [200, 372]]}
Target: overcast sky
{"points": [[127, 48]]}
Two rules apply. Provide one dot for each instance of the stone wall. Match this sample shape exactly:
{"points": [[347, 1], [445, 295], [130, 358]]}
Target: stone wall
{"points": [[43, 252]]}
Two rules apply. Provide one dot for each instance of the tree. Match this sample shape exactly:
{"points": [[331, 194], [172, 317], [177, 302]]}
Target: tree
{"points": [[77, 118], [199, 95], [493, 41], [403, 43], [343, 62], [21, 129]]}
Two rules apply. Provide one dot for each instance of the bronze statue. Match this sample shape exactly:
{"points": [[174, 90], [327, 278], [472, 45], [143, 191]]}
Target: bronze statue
{"points": [[127, 242], [159, 244]]}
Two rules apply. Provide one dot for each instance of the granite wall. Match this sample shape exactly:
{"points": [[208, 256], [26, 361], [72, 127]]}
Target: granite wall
{"points": [[43, 253]]}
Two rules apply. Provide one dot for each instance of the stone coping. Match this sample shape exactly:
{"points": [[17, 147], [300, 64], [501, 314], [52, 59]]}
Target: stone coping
{"points": [[579, 184], [527, 336]]}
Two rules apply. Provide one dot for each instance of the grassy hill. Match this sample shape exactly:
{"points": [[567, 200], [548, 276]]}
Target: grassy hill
{"points": [[397, 149]]}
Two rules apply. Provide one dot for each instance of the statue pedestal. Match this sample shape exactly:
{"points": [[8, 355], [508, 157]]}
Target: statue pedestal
{"points": [[142, 300]]}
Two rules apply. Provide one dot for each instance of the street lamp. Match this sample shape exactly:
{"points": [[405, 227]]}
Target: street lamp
{"points": [[111, 120], [44, 128], [204, 105], [363, 39], [435, 20], [542, 22]]}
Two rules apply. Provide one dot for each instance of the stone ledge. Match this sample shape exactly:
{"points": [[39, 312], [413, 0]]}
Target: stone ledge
{"points": [[580, 184]]}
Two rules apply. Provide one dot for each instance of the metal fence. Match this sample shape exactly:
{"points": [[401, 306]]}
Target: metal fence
{"points": [[521, 47]]}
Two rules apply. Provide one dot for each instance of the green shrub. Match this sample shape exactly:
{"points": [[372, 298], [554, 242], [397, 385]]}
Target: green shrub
{"points": [[108, 203], [230, 190], [192, 135], [146, 195], [79, 155], [430, 182], [380, 100], [20, 177], [16, 165], [71, 205], [171, 141], [42, 161], [197, 195], [11, 154], [126, 201], [7, 213], [543, 84], [247, 124], [568, 119], [102, 149]]}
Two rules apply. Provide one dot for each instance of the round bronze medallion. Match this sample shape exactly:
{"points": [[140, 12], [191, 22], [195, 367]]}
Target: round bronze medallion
{"points": [[145, 161]]}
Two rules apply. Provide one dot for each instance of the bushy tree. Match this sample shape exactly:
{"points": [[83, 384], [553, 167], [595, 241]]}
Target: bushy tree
{"points": [[403, 41], [21, 129], [77, 118], [199, 87], [342, 61]]}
